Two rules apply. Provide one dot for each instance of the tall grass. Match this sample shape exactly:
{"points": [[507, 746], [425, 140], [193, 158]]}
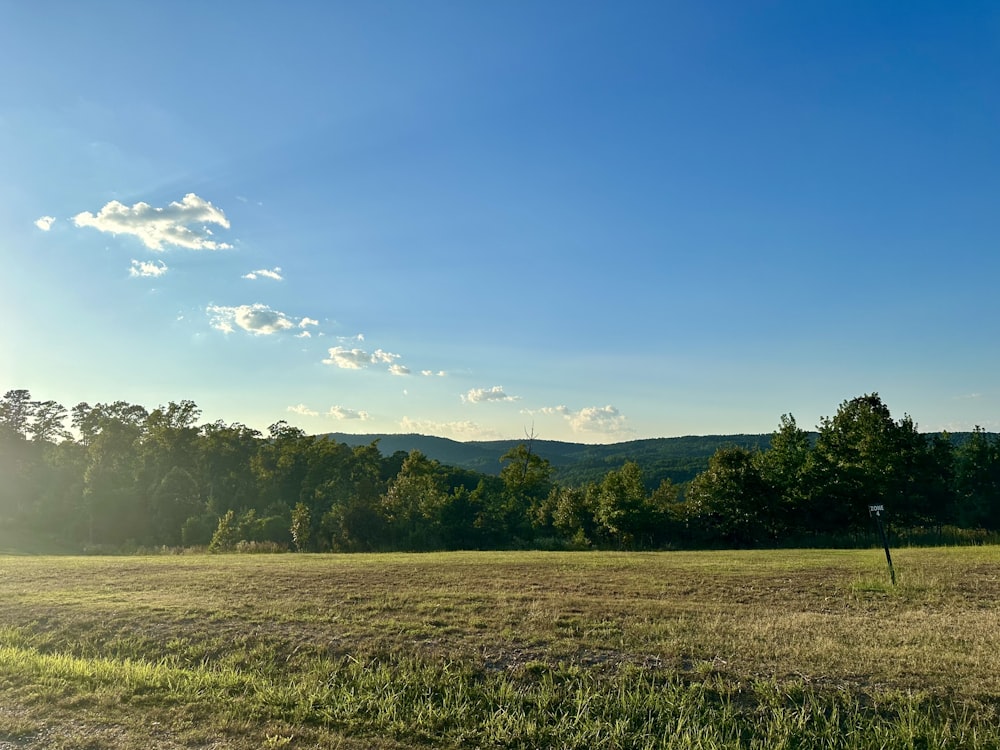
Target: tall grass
{"points": [[450, 705]]}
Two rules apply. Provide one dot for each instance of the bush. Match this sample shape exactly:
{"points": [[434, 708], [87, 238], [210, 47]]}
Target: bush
{"points": [[226, 535], [943, 536], [258, 548], [197, 530]]}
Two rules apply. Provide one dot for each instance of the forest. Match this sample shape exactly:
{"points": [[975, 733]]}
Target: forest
{"points": [[118, 477]]}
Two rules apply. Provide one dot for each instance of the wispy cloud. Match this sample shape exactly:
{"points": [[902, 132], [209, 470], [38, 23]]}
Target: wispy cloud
{"points": [[45, 222], [304, 410], [606, 420], [258, 319], [264, 273], [356, 359], [304, 324], [147, 268], [433, 374], [341, 412], [990, 425], [461, 430], [182, 224], [481, 395]]}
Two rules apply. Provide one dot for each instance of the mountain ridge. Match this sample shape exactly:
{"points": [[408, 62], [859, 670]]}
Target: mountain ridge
{"points": [[679, 459]]}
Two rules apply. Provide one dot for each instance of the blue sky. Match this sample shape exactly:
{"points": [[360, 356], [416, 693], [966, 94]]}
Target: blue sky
{"points": [[597, 221]]}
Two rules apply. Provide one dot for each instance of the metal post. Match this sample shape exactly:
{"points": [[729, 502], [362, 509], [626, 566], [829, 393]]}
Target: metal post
{"points": [[876, 510]]}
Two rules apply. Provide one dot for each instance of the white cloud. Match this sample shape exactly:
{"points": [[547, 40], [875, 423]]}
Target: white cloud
{"points": [[462, 430], [274, 273], [304, 410], [303, 335], [308, 322], [181, 224], [351, 340], [990, 425], [147, 268], [348, 359], [340, 412], [45, 222], [562, 410], [432, 374], [479, 395], [601, 419], [257, 319], [356, 359]]}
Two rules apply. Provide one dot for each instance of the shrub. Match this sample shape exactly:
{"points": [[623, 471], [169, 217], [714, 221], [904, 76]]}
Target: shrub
{"points": [[257, 548]]}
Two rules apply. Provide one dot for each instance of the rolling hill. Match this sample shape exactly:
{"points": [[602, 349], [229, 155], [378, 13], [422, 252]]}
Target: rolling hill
{"points": [[678, 459]]}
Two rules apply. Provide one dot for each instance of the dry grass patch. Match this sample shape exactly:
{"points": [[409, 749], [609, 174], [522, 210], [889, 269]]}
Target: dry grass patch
{"points": [[501, 649]]}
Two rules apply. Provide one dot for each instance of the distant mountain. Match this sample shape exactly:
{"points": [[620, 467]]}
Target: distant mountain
{"points": [[679, 459]]}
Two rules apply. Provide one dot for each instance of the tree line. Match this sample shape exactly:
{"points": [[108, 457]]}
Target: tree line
{"points": [[125, 477]]}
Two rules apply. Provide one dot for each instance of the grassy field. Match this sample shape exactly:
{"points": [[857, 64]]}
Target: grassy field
{"points": [[769, 649]]}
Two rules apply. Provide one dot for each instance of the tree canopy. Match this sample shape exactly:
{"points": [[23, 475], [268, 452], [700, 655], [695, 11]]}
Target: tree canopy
{"points": [[121, 476]]}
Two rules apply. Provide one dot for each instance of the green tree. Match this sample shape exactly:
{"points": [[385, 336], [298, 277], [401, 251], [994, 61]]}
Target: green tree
{"points": [[501, 517], [224, 466], [526, 475], [354, 521], [86, 420], [941, 484], [58, 514], [731, 502], [48, 423], [227, 533], [327, 480], [174, 500], [413, 503], [17, 458], [281, 464], [863, 457], [16, 411], [168, 472], [622, 508], [573, 514], [919, 487], [527, 481], [667, 514], [301, 527], [977, 481], [197, 530], [458, 520], [245, 527], [783, 467], [111, 491]]}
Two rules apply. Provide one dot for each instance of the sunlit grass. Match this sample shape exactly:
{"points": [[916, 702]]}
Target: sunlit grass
{"points": [[748, 649]]}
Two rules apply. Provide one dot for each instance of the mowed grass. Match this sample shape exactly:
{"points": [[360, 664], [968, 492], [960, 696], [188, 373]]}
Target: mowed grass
{"points": [[766, 649]]}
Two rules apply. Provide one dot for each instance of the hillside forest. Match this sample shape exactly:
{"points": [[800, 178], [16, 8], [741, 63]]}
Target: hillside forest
{"points": [[115, 477]]}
